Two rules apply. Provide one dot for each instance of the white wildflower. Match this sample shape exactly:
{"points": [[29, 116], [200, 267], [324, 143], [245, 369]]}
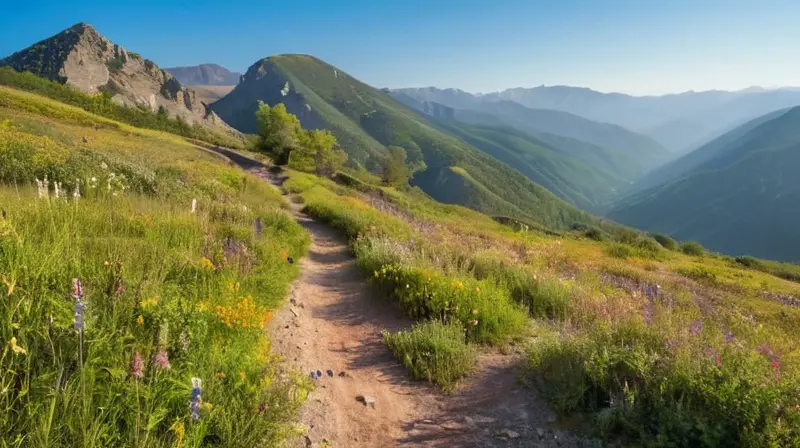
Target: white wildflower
{"points": [[57, 186], [194, 205], [104, 166]]}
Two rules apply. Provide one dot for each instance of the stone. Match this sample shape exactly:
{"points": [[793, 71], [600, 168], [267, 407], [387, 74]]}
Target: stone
{"points": [[367, 400]]}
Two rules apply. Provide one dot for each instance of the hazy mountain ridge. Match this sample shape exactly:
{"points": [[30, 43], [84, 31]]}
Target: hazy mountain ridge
{"points": [[738, 196], [81, 57], [681, 122], [204, 75]]}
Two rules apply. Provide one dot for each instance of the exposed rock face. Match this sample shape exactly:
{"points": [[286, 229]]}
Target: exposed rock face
{"points": [[81, 57], [205, 75]]}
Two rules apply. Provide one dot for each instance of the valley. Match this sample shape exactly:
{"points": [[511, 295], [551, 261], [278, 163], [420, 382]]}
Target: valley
{"points": [[289, 256]]}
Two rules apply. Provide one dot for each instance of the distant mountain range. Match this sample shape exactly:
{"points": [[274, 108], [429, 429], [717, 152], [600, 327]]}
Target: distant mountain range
{"points": [[81, 57], [738, 194], [204, 75], [679, 122]]}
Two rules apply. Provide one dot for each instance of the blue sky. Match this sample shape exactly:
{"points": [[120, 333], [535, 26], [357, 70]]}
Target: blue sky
{"points": [[632, 46]]}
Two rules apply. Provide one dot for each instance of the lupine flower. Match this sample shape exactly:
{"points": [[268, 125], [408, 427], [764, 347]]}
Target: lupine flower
{"points": [[137, 366], [196, 398], [77, 294], [161, 360]]}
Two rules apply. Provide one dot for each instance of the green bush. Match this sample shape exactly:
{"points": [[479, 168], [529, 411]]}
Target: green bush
{"points": [[693, 248], [433, 351], [620, 251], [665, 241]]}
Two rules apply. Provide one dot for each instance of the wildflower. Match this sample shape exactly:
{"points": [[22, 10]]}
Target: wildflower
{"points": [[57, 186], [93, 183], [194, 205], [220, 375], [180, 431], [407, 286], [104, 166], [202, 306], [16, 348], [140, 320], [149, 303], [207, 406], [161, 360], [243, 375], [475, 312], [377, 274], [776, 364], [729, 337], [206, 263], [718, 361], [77, 294], [137, 366], [477, 289], [196, 399], [41, 189], [183, 339], [76, 193], [262, 407], [474, 323], [284, 255], [697, 327]]}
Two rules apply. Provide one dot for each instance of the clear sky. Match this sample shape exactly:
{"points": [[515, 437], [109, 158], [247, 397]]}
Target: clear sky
{"points": [[632, 46]]}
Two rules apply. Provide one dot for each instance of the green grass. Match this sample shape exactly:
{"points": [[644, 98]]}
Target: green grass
{"points": [[156, 278], [103, 106], [434, 351]]}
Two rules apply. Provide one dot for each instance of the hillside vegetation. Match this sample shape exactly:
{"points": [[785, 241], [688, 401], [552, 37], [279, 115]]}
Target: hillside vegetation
{"points": [[739, 199], [365, 121], [137, 272], [662, 343]]}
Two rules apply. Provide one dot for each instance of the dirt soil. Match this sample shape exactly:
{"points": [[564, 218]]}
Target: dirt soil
{"points": [[333, 321]]}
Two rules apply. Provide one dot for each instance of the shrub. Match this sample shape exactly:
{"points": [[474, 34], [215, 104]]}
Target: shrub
{"points": [[665, 241], [619, 251], [693, 248], [433, 351]]}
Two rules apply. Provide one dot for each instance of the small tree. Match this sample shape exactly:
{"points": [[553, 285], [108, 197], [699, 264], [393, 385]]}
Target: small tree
{"points": [[321, 144], [278, 131], [395, 170]]}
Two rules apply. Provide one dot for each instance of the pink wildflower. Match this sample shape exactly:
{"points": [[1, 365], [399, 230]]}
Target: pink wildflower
{"points": [[161, 360], [137, 366]]}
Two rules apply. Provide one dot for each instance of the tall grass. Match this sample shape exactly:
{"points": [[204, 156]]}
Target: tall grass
{"points": [[171, 291]]}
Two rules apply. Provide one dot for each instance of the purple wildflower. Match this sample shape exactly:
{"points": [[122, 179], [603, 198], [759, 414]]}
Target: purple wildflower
{"points": [[729, 337], [196, 398], [161, 360], [710, 352], [697, 327], [137, 366], [77, 294]]}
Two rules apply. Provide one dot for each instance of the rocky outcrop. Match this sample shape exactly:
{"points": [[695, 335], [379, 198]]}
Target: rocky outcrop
{"points": [[81, 57]]}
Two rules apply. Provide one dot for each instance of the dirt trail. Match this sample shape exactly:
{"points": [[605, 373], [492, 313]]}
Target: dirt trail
{"points": [[334, 322]]}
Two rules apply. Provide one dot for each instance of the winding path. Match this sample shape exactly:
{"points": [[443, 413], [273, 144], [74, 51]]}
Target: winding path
{"points": [[333, 322]]}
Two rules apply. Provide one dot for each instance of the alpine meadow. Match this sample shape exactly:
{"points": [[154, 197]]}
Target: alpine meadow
{"points": [[228, 253]]}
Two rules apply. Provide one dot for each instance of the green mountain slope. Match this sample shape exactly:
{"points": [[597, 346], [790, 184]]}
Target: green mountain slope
{"points": [[643, 152], [366, 120], [742, 200], [572, 179]]}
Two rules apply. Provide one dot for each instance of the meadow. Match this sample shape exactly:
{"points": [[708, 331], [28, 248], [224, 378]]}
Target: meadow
{"points": [[138, 272], [658, 343]]}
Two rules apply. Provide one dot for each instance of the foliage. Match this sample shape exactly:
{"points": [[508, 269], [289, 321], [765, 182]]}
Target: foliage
{"points": [[169, 293], [433, 351], [692, 248], [279, 131], [395, 170], [103, 105], [665, 241]]}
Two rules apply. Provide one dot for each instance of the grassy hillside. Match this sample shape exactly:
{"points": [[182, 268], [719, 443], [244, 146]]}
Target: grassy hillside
{"points": [[103, 105], [739, 201], [571, 179], [366, 120], [659, 346], [170, 291]]}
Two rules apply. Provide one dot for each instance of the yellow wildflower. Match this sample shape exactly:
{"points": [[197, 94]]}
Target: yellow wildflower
{"points": [[377, 274], [16, 348], [140, 320], [474, 312], [206, 263], [180, 431], [220, 375], [243, 375], [477, 289], [10, 284], [149, 303], [207, 406], [284, 255], [202, 306]]}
